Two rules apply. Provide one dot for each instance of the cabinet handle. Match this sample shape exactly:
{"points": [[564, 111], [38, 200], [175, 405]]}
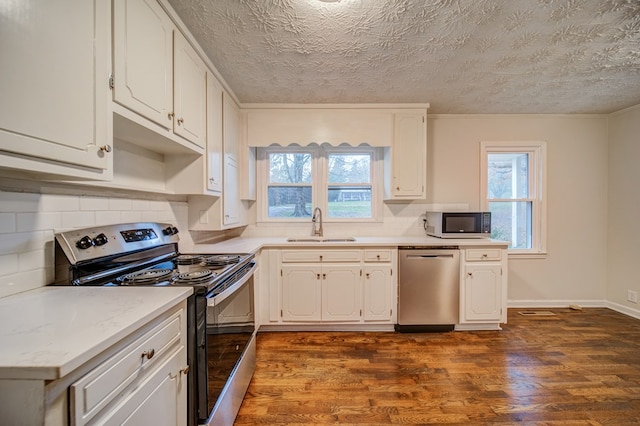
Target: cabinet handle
{"points": [[318, 276], [321, 257], [180, 121], [484, 255], [149, 354], [378, 256], [469, 274], [397, 188], [185, 370], [105, 148], [366, 275], [170, 116], [324, 276]]}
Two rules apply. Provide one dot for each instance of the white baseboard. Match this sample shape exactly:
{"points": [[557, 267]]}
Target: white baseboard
{"points": [[557, 303], [635, 313]]}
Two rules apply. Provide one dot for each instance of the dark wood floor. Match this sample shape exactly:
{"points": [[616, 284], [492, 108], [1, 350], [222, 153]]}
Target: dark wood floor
{"points": [[575, 368]]}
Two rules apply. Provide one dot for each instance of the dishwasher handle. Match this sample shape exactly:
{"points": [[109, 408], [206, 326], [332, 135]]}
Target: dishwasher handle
{"points": [[429, 256]]}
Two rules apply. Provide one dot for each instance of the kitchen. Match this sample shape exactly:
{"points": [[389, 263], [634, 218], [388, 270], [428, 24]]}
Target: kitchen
{"points": [[587, 264]]}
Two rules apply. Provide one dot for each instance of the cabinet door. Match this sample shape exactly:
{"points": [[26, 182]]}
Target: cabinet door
{"points": [[301, 293], [231, 174], [54, 107], [341, 293], [378, 288], [214, 135], [159, 400], [408, 156], [189, 92], [143, 59], [482, 292]]}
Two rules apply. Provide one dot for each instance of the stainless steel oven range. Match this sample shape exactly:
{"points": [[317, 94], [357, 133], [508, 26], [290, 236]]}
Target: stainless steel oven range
{"points": [[220, 318]]}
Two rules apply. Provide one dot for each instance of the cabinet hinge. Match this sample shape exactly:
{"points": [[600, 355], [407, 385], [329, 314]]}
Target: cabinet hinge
{"points": [[360, 312], [360, 272], [423, 118], [281, 273], [112, 83], [281, 315]]}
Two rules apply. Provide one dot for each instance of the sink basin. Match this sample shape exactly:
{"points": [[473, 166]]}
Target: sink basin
{"points": [[320, 240]]}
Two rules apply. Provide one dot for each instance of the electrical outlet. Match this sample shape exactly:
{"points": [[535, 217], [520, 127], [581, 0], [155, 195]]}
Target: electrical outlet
{"points": [[632, 296]]}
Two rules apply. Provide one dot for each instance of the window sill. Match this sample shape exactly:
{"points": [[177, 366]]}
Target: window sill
{"points": [[529, 255]]}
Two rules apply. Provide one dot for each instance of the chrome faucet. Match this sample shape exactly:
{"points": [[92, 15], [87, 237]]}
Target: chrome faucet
{"points": [[317, 217]]}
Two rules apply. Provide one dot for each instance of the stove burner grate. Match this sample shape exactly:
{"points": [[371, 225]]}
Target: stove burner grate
{"points": [[189, 259], [194, 277], [149, 277], [221, 260]]}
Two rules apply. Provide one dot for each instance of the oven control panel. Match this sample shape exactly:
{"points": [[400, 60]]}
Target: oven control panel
{"points": [[91, 243], [134, 235]]}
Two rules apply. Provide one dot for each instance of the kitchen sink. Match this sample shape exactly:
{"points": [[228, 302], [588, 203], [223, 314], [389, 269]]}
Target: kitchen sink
{"points": [[320, 240]]}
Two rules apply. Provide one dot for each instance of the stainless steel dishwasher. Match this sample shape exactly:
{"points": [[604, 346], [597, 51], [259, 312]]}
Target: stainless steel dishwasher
{"points": [[428, 288]]}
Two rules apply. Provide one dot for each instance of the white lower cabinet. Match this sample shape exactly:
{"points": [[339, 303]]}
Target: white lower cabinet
{"points": [[143, 383], [321, 293], [301, 293], [333, 286], [483, 292], [378, 292]]}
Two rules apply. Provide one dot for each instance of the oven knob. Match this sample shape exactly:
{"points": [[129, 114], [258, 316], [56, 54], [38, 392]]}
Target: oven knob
{"points": [[100, 240], [84, 242], [170, 230]]}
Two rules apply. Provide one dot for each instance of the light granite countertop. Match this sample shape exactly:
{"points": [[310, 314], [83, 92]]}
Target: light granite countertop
{"points": [[48, 332], [255, 244]]}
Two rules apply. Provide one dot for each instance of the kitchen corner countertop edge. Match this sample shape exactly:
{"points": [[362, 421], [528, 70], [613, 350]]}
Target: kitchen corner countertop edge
{"points": [[49, 332], [255, 244]]}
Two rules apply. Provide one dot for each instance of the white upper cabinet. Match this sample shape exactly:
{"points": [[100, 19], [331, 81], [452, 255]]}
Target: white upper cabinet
{"points": [[214, 136], [54, 108], [157, 74], [405, 162], [190, 92], [143, 66], [231, 172]]}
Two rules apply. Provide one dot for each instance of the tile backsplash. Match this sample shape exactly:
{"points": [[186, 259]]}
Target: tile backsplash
{"points": [[29, 221]]}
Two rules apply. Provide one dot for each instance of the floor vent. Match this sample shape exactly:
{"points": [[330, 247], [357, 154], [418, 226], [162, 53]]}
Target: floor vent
{"points": [[537, 313]]}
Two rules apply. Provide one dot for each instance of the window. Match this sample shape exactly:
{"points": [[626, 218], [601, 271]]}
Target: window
{"points": [[338, 180], [513, 179]]}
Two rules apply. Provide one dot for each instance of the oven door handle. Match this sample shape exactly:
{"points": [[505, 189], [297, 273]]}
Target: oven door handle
{"points": [[218, 298]]}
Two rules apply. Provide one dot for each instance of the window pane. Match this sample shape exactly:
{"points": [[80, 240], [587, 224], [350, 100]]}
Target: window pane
{"points": [[349, 202], [349, 168], [290, 167], [508, 175], [290, 201], [511, 221]]}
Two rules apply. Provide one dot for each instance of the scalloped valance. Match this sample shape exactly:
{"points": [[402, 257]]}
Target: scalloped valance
{"points": [[336, 127]]}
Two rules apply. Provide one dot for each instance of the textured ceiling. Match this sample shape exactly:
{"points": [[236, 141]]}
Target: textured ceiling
{"points": [[461, 56]]}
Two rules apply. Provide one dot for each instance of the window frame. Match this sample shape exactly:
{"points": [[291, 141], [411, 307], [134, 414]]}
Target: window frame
{"points": [[537, 181], [319, 181]]}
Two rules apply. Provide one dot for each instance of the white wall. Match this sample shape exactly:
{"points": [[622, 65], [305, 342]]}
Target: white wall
{"points": [[575, 269], [29, 220], [624, 208]]}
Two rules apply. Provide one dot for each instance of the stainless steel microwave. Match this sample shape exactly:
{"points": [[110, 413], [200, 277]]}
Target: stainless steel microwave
{"points": [[458, 224]]}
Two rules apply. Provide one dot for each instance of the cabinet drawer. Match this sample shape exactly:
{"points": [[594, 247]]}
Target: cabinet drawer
{"points": [[377, 255], [100, 386], [321, 255], [483, 254]]}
